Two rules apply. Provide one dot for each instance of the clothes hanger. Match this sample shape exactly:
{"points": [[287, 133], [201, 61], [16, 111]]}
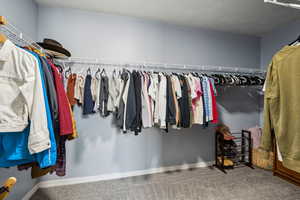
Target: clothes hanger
{"points": [[68, 72], [103, 71], [295, 42], [88, 71], [97, 74]]}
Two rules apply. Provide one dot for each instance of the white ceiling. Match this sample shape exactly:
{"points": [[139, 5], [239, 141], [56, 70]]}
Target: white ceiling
{"points": [[251, 17]]}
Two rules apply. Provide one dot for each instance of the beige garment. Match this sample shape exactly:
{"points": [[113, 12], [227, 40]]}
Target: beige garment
{"points": [[154, 95], [79, 88], [177, 117], [94, 88], [96, 93], [146, 107]]}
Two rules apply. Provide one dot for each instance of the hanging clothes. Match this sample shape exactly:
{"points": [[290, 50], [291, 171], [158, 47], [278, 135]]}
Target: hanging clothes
{"points": [[79, 88], [21, 89], [146, 101], [214, 102], [96, 87], [52, 96], [71, 89], [197, 102], [171, 108], [137, 122], [15, 150], [65, 119], [88, 103], [121, 113], [281, 107], [184, 103], [162, 103], [130, 105], [103, 97]]}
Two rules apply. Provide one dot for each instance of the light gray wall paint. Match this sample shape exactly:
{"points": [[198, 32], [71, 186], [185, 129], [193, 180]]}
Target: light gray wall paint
{"points": [[101, 148], [23, 15], [278, 38], [89, 34]]}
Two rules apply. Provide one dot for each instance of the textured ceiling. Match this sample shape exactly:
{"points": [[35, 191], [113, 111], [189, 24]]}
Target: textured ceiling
{"points": [[251, 17]]}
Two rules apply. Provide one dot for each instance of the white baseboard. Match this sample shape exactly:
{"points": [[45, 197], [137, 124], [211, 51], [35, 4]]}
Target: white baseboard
{"points": [[29, 194], [89, 179]]}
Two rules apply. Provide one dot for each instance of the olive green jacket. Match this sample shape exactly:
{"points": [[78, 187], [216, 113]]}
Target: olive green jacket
{"points": [[282, 106]]}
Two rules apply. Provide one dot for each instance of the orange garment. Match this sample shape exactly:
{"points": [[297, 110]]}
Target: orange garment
{"points": [[74, 133], [70, 89]]}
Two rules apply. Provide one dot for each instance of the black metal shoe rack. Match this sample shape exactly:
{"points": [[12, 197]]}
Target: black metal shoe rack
{"points": [[243, 147]]}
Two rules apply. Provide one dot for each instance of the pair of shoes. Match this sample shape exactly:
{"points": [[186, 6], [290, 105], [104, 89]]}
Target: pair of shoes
{"points": [[227, 162]]}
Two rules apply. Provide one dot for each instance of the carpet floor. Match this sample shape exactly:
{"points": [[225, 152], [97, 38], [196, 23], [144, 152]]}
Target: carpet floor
{"points": [[197, 184]]}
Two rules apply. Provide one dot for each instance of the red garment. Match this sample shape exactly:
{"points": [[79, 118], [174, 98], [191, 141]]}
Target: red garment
{"points": [[214, 105], [64, 115]]}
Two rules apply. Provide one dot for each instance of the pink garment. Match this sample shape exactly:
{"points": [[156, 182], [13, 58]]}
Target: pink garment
{"points": [[255, 135], [198, 92]]}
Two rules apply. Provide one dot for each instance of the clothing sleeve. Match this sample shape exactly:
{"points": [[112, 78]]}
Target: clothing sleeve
{"points": [[111, 95], [271, 95], [177, 87], [151, 89], [39, 136], [93, 88]]}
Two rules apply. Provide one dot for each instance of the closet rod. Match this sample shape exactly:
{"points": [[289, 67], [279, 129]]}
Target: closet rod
{"points": [[290, 5], [16, 36], [143, 65]]}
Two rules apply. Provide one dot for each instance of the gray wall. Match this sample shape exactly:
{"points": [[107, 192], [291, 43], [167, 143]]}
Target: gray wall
{"points": [[278, 38], [102, 149], [22, 14]]}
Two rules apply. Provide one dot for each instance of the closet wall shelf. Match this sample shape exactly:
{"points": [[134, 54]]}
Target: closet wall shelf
{"points": [[17, 36], [146, 65]]}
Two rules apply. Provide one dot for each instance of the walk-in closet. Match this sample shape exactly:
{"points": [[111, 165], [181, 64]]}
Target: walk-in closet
{"points": [[149, 100]]}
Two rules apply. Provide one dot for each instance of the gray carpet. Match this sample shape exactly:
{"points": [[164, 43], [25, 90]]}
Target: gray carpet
{"points": [[197, 184]]}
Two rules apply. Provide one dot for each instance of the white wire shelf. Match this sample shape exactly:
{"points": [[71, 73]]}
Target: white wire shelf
{"points": [[17, 36]]}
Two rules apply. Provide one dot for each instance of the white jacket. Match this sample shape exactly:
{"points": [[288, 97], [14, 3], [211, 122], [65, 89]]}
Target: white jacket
{"points": [[21, 96]]}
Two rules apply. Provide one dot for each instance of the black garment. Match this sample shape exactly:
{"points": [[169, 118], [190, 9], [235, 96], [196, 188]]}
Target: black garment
{"points": [[51, 93], [171, 110], [137, 122], [88, 103], [121, 109], [130, 105], [184, 103], [104, 96]]}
